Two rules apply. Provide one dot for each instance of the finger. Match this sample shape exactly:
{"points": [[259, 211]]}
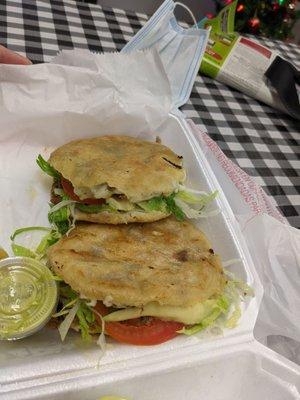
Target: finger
{"points": [[9, 57]]}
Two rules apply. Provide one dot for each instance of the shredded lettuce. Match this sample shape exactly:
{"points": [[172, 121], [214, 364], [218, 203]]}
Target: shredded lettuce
{"points": [[21, 251], [19, 231], [67, 322], [63, 227], [62, 215], [47, 241], [193, 205], [234, 318], [93, 208], [65, 308], [186, 209], [155, 204], [183, 204], [67, 293], [37, 250], [227, 310], [60, 192], [179, 204], [240, 286], [173, 207], [101, 340], [85, 317], [183, 188], [201, 200], [120, 204], [61, 206], [72, 219], [221, 306], [164, 204], [46, 167]]}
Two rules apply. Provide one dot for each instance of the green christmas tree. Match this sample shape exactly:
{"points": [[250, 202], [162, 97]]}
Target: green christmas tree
{"points": [[270, 18]]}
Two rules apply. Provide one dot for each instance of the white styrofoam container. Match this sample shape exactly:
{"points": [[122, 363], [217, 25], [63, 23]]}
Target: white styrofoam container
{"points": [[244, 371], [41, 366]]}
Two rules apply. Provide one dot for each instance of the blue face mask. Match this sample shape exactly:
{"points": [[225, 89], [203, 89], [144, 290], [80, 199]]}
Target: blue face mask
{"points": [[181, 50]]}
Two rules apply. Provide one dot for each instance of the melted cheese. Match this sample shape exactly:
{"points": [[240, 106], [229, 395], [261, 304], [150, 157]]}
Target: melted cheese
{"points": [[187, 315], [98, 192]]}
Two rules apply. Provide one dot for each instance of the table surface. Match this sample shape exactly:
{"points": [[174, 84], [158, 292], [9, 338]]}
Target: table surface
{"points": [[263, 142]]}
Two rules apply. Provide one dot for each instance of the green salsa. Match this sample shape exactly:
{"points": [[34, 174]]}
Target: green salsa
{"points": [[28, 297]]}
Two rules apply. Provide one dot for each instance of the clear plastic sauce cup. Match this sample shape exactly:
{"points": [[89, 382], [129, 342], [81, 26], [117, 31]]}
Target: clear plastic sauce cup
{"points": [[28, 297]]}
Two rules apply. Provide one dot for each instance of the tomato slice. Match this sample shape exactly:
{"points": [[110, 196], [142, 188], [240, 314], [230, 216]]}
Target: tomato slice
{"points": [[154, 331], [69, 190], [139, 331]]}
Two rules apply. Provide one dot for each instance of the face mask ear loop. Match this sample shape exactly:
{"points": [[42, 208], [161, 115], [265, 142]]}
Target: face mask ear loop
{"points": [[178, 3]]}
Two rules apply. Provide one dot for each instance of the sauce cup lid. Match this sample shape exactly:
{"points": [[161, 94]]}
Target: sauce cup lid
{"points": [[28, 297]]}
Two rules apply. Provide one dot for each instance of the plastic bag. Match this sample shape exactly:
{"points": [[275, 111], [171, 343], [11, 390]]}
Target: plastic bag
{"points": [[274, 246]]}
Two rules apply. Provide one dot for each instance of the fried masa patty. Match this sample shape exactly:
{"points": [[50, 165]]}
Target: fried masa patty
{"points": [[115, 218], [169, 262], [136, 168]]}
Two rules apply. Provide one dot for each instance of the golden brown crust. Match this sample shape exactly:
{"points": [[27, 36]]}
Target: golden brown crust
{"points": [[137, 168], [114, 218], [167, 261]]}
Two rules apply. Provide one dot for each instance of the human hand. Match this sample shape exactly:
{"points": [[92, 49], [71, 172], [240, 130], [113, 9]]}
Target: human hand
{"points": [[9, 57]]}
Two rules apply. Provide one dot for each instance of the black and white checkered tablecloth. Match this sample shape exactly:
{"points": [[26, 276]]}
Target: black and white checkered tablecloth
{"points": [[262, 141]]}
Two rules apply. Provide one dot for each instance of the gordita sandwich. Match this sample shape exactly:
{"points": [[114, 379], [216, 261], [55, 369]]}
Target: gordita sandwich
{"points": [[119, 179], [141, 283]]}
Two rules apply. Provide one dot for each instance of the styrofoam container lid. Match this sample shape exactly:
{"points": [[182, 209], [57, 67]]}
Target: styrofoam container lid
{"points": [[242, 372]]}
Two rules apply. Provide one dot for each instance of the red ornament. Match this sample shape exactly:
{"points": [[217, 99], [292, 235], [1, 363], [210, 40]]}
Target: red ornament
{"points": [[276, 6], [240, 8], [209, 15], [228, 2], [254, 23]]}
